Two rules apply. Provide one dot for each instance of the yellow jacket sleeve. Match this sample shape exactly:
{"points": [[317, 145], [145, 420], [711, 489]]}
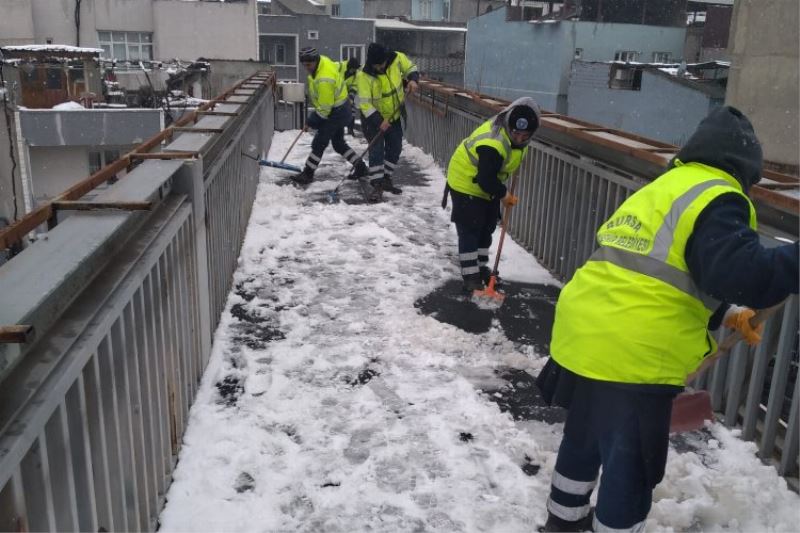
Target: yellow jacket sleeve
{"points": [[367, 91]]}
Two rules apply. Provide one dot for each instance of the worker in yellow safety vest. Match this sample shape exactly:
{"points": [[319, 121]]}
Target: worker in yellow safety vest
{"points": [[634, 320], [328, 96], [476, 180], [350, 69], [381, 87]]}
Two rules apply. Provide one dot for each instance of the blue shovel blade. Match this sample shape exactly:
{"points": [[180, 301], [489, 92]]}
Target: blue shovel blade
{"points": [[284, 166]]}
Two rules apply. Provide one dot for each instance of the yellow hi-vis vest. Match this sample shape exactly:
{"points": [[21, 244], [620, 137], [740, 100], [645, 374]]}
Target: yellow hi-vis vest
{"points": [[632, 313], [326, 87], [462, 171], [384, 93]]}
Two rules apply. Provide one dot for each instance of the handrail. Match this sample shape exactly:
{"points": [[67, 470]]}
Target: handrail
{"points": [[610, 140]]}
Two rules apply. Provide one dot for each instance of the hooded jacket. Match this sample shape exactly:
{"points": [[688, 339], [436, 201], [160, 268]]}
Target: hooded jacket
{"points": [[725, 256]]}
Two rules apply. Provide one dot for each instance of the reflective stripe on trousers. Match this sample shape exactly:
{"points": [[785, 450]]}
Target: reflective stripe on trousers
{"points": [[578, 492]]}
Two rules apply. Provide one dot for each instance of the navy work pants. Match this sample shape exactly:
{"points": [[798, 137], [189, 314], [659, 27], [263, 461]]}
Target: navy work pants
{"points": [[385, 153], [624, 430], [476, 220], [330, 131]]}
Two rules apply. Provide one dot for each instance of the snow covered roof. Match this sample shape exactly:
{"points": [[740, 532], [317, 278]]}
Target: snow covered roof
{"points": [[399, 25], [52, 48], [301, 7]]}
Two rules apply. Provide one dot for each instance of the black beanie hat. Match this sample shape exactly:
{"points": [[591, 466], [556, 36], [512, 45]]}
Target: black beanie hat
{"points": [[376, 54], [353, 63], [726, 140], [309, 53], [523, 118]]}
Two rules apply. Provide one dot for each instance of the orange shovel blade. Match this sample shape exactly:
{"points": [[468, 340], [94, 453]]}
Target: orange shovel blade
{"points": [[489, 294], [690, 410]]}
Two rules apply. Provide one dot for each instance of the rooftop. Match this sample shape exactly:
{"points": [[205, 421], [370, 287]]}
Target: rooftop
{"points": [[399, 25]]}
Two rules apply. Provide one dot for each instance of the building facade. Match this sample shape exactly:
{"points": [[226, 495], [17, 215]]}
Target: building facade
{"points": [[282, 36], [648, 100], [511, 58], [134, 30], [764, 81]]}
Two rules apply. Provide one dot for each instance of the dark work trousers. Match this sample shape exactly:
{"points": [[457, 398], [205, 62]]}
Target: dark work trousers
{"points": [[330, 131], [385, 153], [626, 431], [476, 220]]}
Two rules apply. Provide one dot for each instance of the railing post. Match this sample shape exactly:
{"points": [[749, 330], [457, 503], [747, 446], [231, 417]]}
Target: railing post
{"points": [[189, 181]]}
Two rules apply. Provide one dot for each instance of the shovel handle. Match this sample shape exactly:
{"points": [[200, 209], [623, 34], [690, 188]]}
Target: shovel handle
{"points": [[305, 129], [733, 339], [504, 225]]}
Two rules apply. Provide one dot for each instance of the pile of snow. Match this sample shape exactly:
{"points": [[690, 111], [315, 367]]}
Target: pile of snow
{"points": [[69, 106]]}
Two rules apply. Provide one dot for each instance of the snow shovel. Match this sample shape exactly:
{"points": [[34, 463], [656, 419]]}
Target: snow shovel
{"points": [[265, 163], [690, 409], [281, 164], [333, 196], [490, 297]]}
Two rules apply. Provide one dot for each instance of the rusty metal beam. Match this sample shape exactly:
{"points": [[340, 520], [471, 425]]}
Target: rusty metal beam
{"points": [[101, 206], [17, 334]]}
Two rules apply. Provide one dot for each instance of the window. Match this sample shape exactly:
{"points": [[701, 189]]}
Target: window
{"points": [[425, 9], [55, 78], [336, 10], [623, 77], [446, 10], [353, 50], [626, 55], [280, 54], [313, 35], [126, 45], [662, 57], [264, 8]]}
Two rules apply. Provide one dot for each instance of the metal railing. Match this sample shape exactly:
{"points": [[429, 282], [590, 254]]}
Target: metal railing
{"points": [[564, 197], [94, 407]]}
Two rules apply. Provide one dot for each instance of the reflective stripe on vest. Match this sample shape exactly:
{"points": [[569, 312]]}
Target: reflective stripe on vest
{"points": [[469, 142], [655, 268], [654, 263], [462, 169]]}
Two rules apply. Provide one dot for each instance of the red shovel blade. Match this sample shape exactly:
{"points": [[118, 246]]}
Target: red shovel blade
{"points": [[690, 410]]}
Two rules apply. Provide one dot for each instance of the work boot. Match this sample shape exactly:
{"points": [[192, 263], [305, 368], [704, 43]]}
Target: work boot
{"points": [[555, 523], [305, 177], [376, 192], [388, 186], [359, 170], [473, 282]]}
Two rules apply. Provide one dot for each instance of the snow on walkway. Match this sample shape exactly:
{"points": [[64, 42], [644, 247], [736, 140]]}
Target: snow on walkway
{"points": [[331, 404]]}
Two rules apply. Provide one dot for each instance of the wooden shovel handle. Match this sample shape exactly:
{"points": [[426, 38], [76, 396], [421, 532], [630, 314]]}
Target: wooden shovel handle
{"points": [[733, 339], [305, 129]]}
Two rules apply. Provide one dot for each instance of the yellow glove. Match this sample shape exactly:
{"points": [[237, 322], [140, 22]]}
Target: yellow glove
{"points": [[738, 318], [509, 200]]}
